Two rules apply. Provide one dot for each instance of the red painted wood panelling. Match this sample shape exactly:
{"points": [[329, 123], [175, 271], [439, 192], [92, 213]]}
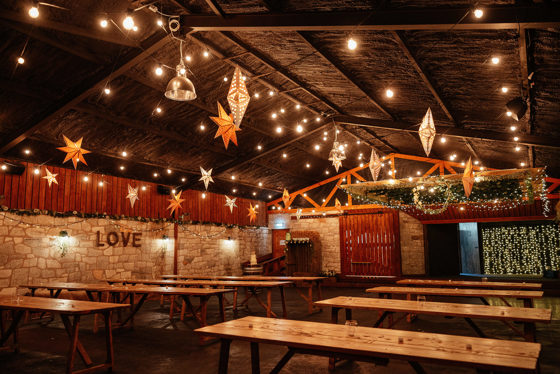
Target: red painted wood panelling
{"points": [[370, 242], [72, 193]]}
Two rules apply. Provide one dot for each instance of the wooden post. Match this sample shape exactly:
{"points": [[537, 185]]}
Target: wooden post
{"points": [[175, 244]]}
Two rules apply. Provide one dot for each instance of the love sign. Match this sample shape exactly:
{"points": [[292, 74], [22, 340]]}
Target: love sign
{"points": [[113, 239]]}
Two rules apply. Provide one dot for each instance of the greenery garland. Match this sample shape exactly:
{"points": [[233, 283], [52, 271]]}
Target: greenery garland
{"points": [[420, 205]]}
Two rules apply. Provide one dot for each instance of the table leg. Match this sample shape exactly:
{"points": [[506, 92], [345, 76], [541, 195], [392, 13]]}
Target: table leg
{"points": [[13, 329], [135, 310], [268, 302], [348, 314], [310, 300], [530, 331], [221, 298], [235, 300], [109, 339], [283, 361], [203, 310], [224, 356], [255, 365], [319, 291], [528, 303], [73, 344], [283, 298], [334, 319]]}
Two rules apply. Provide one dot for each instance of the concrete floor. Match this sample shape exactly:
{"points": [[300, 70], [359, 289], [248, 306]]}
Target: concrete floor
{"points": [[158, 346]]}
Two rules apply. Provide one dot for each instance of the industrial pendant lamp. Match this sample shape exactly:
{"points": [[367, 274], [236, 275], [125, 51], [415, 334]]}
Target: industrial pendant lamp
{"points": [[180, 88], [517, 107]]}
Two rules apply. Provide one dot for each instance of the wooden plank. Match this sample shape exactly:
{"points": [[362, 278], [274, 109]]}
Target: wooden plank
{"points": [[467, 292], [472, 284]]}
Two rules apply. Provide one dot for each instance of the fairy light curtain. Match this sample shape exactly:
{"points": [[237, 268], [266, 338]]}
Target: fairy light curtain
{"points": [[525, 248]]}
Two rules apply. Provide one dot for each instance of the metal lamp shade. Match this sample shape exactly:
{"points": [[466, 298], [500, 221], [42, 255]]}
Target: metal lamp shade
{"points": [[180, 88]]}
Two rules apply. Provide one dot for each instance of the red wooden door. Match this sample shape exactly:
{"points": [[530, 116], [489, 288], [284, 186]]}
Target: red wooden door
{"points": [[370, 243], [278, 238]]}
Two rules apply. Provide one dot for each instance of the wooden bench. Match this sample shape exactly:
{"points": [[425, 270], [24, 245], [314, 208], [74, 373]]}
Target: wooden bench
{"points": [[471, 284], [371, 344], [66, 309], [526, 296], [507, 315]]}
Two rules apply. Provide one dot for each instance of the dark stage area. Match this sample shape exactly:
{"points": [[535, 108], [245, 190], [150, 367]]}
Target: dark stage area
{"points": [[157, 346]]}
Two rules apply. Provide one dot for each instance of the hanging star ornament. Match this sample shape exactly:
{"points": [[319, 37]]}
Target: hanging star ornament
{"points": [[226, 127], [427, 132], [132, 195], [231, 203], [298, 213], [238, 97], [50, 177], [468, 178], [374, 165], [175, 202], [252, 213], [286, 198], [338, 205], [74, 151], [206, 177], [337, 162]]}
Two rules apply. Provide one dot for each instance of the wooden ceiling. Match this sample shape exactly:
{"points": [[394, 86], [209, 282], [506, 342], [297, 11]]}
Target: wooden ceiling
{"points": [[438, 58]]}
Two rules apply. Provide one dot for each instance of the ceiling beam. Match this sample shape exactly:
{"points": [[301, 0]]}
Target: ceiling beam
{"points": [[81, 91], [215, 7], [524, 139], [42, 22], [525, 83], [345, 73], [471, 148], [439, 19]]}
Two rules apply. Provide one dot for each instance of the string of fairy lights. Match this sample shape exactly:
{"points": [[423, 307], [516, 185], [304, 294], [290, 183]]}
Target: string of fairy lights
{"points": [[126, 23]]}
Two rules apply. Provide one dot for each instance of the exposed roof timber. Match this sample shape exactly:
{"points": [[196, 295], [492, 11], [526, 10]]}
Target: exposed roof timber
{"points": [[524, 139], [345, 73], [523, 61], [282, 71], [510, 17], [24, 88], [531, 156], [471, 148], [80, 92], [286, 171], [42, 22], [215, 7]]}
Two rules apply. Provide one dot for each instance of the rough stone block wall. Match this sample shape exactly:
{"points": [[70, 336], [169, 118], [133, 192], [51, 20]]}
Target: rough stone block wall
{"points": [[412, 245]]}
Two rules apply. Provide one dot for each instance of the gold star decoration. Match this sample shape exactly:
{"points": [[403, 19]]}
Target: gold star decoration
{"points": [[298, 213], [175, 202], [252, 213], [74, 151], [50, 177], [132, 195], [468, 178], [338, 205], [427, 132], [226, 127], [286, 198], [238, 97], [231, 203], [374, 165], [206, 177], [337, 162]]}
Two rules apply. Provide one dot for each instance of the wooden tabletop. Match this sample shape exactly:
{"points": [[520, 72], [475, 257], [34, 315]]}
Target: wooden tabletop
{"points": [[441, 309], [70, 286], [244, 277], [369, 341], [472, 283], [46, 304], [201, 282], [472, 292]]}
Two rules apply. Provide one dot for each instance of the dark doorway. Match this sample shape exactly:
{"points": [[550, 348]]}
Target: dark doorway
{"points": [[443, 250]]}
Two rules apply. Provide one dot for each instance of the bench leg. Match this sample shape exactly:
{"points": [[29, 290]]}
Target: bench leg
{"points": [[255, 364], [283, 361], [417, 367], [109, 339], [73, 332], [224, 356]]}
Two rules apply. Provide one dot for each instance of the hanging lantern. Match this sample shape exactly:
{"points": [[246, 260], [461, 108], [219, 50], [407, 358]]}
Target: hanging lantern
{"points": [[337, 155], [427, 132], [180, 88]]}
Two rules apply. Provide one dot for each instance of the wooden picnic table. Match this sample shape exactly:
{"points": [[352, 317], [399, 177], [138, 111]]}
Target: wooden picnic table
{"points": [[67, 309], [298, 282], [251, 289], [120, 294], [507, 315], [371, 344], [482, 294], [472, 284]]}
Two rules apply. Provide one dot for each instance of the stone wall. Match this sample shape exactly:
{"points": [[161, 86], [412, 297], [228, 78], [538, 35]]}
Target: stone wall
{"points": [[412, 245], [30, 249]]}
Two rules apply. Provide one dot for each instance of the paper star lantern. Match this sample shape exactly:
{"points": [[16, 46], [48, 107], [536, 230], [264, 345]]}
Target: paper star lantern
{"points": [[50, 177], [74, 151], [132, 195], [238, 97], [226, 127], [252, 213], [468, 178], [175, 202], [231, 203], [427, 132], [206, 177], [337, 205], [298, 213], [374, 165], [337, 162], [286, 198]]}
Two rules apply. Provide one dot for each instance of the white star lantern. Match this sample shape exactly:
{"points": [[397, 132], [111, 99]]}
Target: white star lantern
{"points": [[374, 165], [206, 177], [427, 132], [298, 213], [231, 203], [50, 177], [238, 97], [132, 195]]}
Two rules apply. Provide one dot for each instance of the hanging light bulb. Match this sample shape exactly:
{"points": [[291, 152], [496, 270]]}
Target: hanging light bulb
{"points": [[159, 71], [352, 44], [34, 11], [299, 128], [107, 90], [159, 22], [20, 60], [206, 54], [103, 23], [128, 21], [389, 93], [180, 88], [478, 13]]}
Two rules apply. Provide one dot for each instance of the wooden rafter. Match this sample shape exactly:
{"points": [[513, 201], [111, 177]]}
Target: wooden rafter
{"points": [[439, 19], [85, 88], [215, 7]]}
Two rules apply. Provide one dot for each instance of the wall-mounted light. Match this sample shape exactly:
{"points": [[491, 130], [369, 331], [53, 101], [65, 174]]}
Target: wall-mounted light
{"points": [[62, 242]]}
